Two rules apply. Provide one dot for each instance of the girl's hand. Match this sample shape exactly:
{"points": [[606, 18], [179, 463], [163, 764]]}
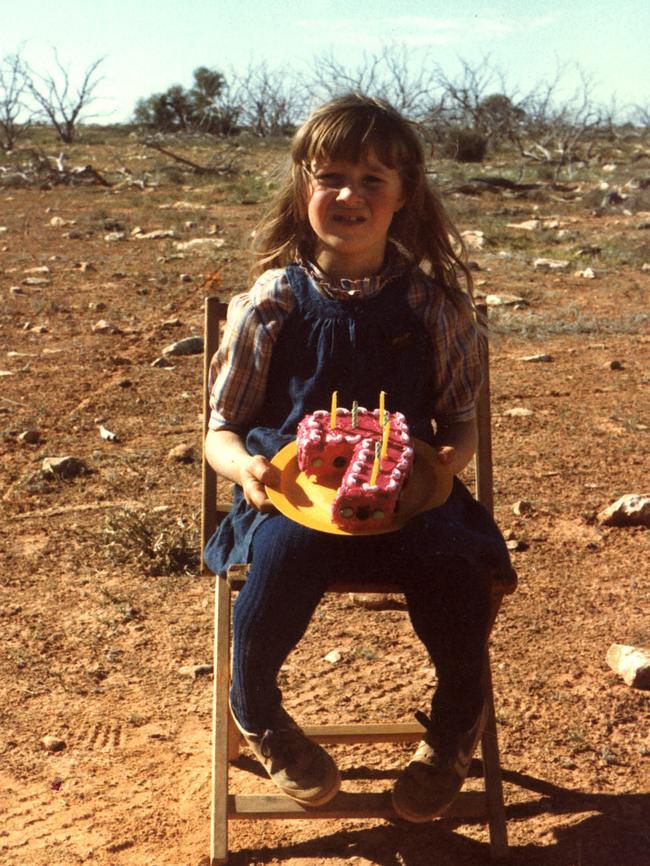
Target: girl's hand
{"points": [[255, 473], [447, 455]]}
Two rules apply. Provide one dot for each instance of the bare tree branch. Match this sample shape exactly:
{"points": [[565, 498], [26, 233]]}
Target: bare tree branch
{"points": [[13, 86], [59, 101]]}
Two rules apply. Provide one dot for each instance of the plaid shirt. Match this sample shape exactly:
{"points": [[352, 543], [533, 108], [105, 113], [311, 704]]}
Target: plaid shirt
{"points": [[239, 369]]}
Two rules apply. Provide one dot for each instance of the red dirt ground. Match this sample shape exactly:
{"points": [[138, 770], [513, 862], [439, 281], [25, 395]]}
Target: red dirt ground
{"points": [[92, 648]]}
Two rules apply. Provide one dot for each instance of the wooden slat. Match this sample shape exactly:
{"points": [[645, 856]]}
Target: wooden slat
{"points": [[218, 818], [398, 732], [483, 458], [346, 804]]}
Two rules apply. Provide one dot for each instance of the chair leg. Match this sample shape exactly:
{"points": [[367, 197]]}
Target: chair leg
{"points": [[492, 774], [220, 724]]}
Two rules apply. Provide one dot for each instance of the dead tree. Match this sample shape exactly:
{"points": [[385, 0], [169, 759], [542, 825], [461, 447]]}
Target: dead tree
{"points": [[13, 86], [59, 100]]}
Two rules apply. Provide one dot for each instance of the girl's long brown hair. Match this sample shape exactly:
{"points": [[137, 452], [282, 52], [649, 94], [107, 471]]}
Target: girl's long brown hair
{"points": [[348, 128]]}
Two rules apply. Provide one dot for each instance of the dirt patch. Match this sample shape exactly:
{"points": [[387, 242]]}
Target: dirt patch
{"points": [[92, 647]]}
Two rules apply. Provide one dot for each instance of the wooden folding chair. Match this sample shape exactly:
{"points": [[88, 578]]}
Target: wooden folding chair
{"points": [[225, 736]]}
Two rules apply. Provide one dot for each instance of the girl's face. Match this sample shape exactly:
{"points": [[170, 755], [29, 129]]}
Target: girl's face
{"points": [[350, 209]]}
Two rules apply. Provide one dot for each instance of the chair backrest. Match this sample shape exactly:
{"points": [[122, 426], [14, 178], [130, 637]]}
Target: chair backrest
{"points": [[212, 513]]}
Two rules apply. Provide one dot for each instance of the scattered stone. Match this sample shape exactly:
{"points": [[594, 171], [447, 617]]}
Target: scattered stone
{"points": [[474, 239], [38, 329], [644, 226], [587, 274], [16, 290], [198, 244], [504, 300], [615, 365], [104, 327], [633, 509], [515, 544], [7, 373], [183, 454], [333, 657], [114, 236], [162, 363], [52, 744], [631, 663], [565, 235], [527, 225], [590, 250], [107, 435], [64, 467], [185, 278], [537, 359], [645, 266], [371, 600], [74, 235], [97, 306], [42, 269], [29, 437], [85, 267], [58, 222], [522, 507], [171, 323], [186, 346], [155, 235], [195, 670], [551, 265], [36, 281], [518, 412]]}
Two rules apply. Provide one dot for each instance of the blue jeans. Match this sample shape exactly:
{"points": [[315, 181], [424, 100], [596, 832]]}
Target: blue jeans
{"points": [[292, 566]]}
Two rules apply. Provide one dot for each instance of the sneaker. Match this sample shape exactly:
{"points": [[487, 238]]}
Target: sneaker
{"points": [[435, 774], [300, 768]]}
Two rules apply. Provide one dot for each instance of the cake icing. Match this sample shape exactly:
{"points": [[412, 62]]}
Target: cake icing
{"points": [[346, 454]]}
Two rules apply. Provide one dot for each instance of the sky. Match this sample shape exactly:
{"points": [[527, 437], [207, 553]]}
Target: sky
{"points": [[148, 45]]}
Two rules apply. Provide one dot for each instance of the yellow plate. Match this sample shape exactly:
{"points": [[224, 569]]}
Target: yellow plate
{"points": [[301, 499]]}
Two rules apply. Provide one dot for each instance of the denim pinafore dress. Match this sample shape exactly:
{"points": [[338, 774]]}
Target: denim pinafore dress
{"points": [[357, 347]]}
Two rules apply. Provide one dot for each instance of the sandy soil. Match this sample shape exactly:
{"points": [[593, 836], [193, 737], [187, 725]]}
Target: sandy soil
{"points": [[92, 647]]}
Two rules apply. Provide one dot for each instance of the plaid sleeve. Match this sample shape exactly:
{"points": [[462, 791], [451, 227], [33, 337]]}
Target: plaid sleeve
{"points": [[454, 340], [239, 368]]}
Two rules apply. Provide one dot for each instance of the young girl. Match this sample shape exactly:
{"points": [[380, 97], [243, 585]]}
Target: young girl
{"points": [[358, 293]]}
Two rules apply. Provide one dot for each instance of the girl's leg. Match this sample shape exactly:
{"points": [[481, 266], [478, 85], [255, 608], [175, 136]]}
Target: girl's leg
{"points": [[450, 614], [272, 613]]}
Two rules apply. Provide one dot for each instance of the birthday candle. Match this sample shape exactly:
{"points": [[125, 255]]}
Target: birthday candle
{"points": [[382, 399], [333, 416], [375, 467], [355, 412], [384, 439]]}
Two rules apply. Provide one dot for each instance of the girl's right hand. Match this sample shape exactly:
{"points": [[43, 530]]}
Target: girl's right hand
{"points": [[255, 473]]}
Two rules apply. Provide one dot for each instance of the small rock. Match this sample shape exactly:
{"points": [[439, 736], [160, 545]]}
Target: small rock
{"points": [[518, 412], [53, 744], [523, 506], [38, 329], [504, 300], [36, 281], [41, 269], [195, 670], [58, 222], [551, 265], [85, 267], [154, 235], [527, 225], [631, 663], [107, 435], [474, 239], [64, 467], [645, 266], [16, 290], [29, 437], [97, 306], [183, 454], [162, 363], [104, 327], [632, 509], [206, 244], [587, 274], [371, 600], [185, 278], [333, 657], [615, 365], [187, 346], [114, 236], [644, 226], [541, 359]]}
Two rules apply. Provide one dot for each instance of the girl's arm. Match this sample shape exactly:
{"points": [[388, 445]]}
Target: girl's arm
{"points": [[456, 444], [227, 455]]}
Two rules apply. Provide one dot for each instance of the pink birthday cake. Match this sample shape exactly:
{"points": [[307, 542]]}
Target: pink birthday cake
{"points": [[346, 453]]}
